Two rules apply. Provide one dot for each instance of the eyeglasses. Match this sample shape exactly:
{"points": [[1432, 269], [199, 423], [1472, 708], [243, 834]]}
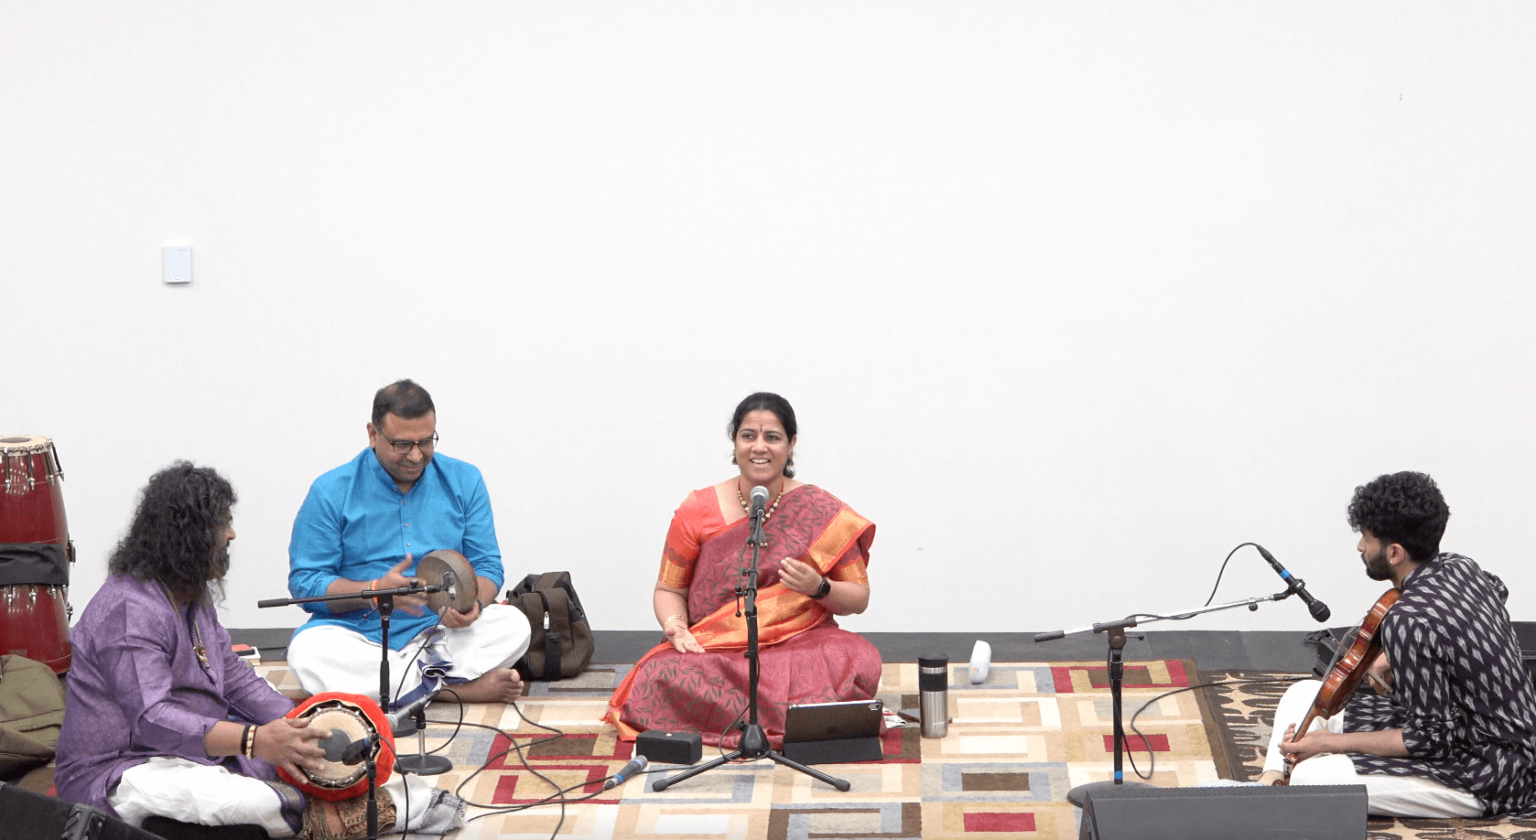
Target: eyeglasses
{"points": [[403, 447]]}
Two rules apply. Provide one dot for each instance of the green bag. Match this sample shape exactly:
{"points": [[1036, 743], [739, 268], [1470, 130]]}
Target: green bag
{"points": [[31, 713]]}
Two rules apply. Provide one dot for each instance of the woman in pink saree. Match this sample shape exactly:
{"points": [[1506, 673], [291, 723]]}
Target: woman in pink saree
{"points": [[812, 569]]}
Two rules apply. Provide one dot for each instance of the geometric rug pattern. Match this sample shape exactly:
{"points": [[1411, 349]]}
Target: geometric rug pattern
{"points": [[1016, 744], [1242, 705]]}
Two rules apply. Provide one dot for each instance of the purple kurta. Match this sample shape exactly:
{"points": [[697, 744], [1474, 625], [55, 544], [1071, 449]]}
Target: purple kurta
{"points": [[136, 690]]}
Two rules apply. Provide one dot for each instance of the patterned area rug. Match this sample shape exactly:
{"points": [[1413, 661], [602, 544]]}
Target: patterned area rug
{"points": [[1242, 705], [1016, 745]]}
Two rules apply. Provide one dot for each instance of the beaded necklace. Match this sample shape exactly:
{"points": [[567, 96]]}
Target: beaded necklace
{"points": [[746, 508]]}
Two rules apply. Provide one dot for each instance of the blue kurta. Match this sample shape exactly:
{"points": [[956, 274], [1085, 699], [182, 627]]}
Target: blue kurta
{"points": [[356, 524]]}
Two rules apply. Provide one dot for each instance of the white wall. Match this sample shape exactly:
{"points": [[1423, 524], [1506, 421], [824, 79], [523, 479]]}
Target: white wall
{"points": [[1071, 298]]}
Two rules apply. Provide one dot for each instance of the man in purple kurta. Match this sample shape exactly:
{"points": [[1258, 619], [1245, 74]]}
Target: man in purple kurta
{"points": [[137, 691], [160, 717]]}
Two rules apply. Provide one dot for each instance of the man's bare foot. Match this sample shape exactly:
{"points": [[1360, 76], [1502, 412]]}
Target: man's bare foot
{"points": [[499, 686], [1271, 777]]}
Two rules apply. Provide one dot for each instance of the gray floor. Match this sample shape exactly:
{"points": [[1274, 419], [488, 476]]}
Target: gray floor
{"points": [[1212, 650]]}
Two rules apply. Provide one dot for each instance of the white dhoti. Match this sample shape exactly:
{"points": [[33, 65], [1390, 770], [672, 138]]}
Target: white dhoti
{"points": [[1390, 796], [189, 792], [329, 657]]}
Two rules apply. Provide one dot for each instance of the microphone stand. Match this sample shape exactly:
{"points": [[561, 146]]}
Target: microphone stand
{"points": [[421, 763], [1116, 629], [754, 741], [386, 599], [373, 795]]}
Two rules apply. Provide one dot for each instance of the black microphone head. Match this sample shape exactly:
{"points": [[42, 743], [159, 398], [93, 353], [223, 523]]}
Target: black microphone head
{"points": [[759, 495], [1319, 610], [357, 751], [335, 745]]}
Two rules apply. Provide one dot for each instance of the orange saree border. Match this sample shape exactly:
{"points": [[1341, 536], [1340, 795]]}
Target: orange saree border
{"points": [[782, 613]]}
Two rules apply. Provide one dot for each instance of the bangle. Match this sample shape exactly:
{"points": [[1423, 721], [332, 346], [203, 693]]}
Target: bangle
{"points": [[248, 742], [672, 618], [824, 589]]}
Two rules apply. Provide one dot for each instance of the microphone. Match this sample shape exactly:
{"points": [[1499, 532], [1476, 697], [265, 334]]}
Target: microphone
{"points": [[335, 746], [759, 500], [356, 751], [398, 718], [636, 764], [1318, 609]]}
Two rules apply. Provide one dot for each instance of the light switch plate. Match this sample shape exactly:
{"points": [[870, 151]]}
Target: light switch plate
{"points": [[178, 263]]}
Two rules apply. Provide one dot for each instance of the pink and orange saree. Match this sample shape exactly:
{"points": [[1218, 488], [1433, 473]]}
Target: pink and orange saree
{"points": [[805, 657]]}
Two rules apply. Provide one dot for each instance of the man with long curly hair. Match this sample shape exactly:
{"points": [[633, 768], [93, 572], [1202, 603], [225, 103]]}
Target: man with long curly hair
{"points": [[161, 718], [1451, 731]]}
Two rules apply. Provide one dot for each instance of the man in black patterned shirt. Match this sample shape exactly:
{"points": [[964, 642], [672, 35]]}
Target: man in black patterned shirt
{"points": [[1452, 729]]}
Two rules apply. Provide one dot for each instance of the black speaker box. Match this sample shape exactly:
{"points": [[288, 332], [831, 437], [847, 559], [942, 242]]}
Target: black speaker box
{"points": [[670, 747], [32, 816], [1320, 812]]}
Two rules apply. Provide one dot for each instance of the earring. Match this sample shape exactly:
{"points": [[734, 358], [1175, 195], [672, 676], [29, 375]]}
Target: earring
{"points": [[789, 467], [733, 457]]}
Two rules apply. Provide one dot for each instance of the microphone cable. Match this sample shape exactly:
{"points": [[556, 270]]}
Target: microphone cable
{"points": [[1223, 570], [1130, 754]]}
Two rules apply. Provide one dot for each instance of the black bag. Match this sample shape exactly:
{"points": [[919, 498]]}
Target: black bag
{"points": [[562, 639]]}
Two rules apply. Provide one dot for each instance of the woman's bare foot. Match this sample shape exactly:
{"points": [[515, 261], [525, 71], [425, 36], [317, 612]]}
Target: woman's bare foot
{"points": [[502, 685], [1271, 777]]}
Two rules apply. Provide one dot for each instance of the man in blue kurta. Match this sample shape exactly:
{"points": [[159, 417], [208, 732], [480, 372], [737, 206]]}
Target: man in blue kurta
{"points": [[363, 526]]}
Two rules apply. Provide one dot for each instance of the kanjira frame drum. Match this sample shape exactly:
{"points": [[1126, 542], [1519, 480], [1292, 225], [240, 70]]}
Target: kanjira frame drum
{"points": [[35, 552], [356, 717]]}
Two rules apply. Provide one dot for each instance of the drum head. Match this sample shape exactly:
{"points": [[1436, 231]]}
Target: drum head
{"points": [[24, 444], [356, 717], [431, 572]]}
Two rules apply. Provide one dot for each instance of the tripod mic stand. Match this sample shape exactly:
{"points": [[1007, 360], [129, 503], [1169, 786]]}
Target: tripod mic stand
{"points": [[754, 741]]}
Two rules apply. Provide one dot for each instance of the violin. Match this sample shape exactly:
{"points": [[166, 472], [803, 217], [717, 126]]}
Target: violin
{"points": [[1349, 670]]}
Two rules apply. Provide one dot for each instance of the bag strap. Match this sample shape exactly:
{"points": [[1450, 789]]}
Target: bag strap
{"points": [[552, 638]]}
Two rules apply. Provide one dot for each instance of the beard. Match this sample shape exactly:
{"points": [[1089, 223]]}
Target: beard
{"points": [[1376, 566], [219, 566]]}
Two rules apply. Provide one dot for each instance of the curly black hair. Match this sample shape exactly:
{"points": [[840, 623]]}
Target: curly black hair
{"points": [[1404, 508], [174, 534]]}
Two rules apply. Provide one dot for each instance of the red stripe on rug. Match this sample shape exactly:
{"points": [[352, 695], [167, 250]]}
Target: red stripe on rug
{"points": [[506, 786], [999, 822], [1136, 743]]}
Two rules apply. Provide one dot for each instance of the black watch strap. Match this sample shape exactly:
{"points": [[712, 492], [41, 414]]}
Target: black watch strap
{"points": [[823, 590]]}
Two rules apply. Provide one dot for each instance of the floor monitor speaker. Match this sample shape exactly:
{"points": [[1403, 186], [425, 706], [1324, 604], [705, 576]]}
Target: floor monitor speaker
{"points": [[1321, 812], [35, 816]]}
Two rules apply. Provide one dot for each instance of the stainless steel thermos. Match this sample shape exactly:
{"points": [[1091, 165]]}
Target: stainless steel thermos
{"points": [[933, 695]]}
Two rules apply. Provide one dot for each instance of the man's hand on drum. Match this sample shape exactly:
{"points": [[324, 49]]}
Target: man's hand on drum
{"points": [[396, 579], [453, 619], [290, 744]]}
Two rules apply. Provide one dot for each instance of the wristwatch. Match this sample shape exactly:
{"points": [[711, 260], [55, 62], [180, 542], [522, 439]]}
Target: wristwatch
{"points": [[823, 590]]}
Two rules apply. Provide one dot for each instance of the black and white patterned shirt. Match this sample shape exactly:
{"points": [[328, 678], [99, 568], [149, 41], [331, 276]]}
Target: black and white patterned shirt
{"points": [[1460, 693]]}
